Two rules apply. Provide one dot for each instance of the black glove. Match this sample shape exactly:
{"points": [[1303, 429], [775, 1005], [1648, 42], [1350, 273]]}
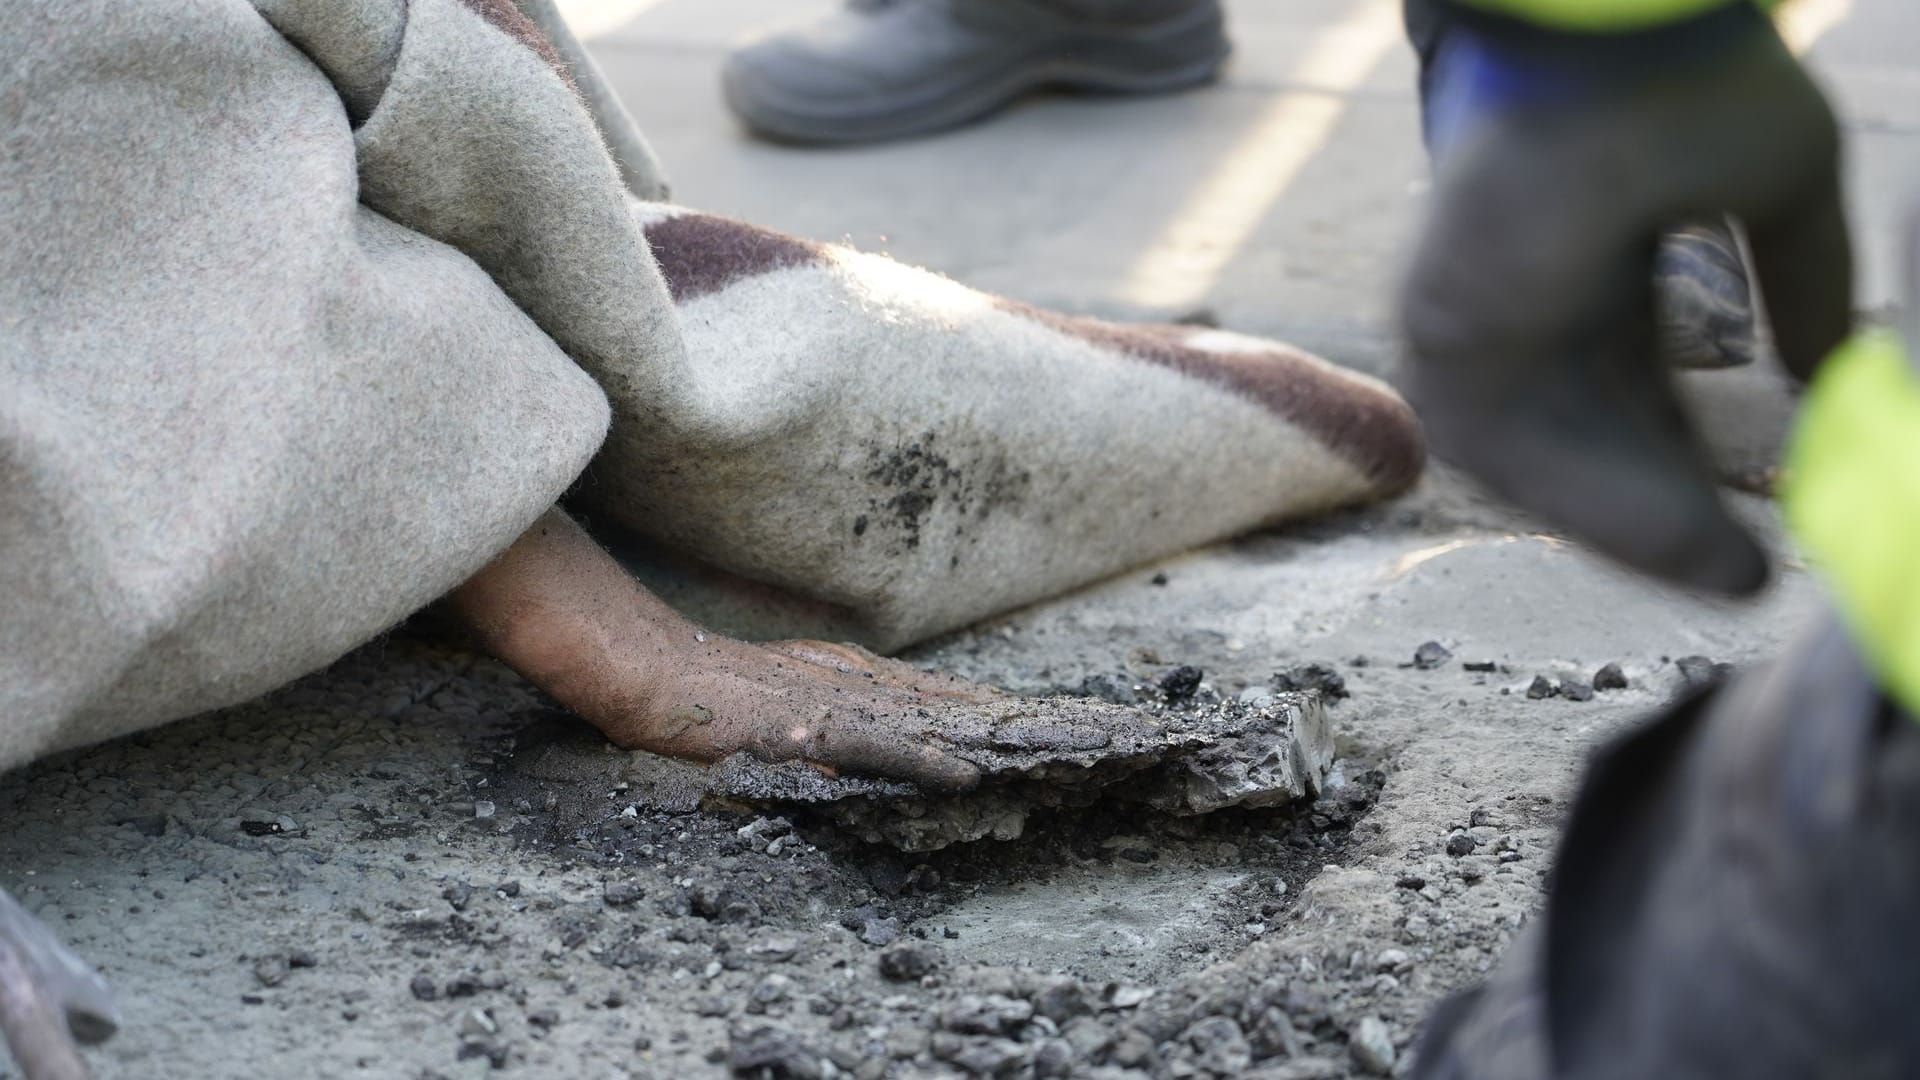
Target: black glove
{"points": [[1529, 308]]}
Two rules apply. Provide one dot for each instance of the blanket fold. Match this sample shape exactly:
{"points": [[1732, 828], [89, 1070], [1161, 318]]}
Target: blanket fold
{"points": [[309, 307]]}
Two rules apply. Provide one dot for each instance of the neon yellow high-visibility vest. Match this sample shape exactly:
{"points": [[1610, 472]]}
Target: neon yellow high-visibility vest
{"points": [[1604, 16], [1852, 495]]}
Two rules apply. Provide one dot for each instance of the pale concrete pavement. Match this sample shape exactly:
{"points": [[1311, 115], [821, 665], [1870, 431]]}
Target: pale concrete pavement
{"points": [[1281, 198]]}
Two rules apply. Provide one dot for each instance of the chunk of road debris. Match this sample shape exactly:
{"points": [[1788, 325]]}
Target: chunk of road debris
{"points": [[1181, 682], [1701, 671], [1431, 655], [1032, 754], [1610, 677], [1319, 678]]}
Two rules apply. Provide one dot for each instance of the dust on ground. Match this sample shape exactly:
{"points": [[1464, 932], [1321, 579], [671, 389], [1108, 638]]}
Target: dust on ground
{"points": [[356, 877]]}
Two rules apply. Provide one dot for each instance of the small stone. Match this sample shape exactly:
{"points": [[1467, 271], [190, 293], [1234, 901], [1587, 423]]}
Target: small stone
{"points": [[1159, 578], [496, 1054], [457, 895], [1431, 655], [544, 1019], [776, 950], [909, 961], [1610, 677], [772, 990], [872, 928], [1181, 682], [1372, 1046], [148, 824], [271, 970], [1575, 690], [1123, 996], [1320, 678], [483, 810], [1481, 667], [771, 1050], [1392, 960], [1088, 1036], [1062, 1000], [423, 988], [1700, 671], [1410, 881], [1220, 1044], [463, 986], [477, 1023], [987, 1057], [301, 958], [1131, 1049], [904, 1041], [989, 1014], [1115, 689], [622, 893], [1274, 1035], [1053, 1058], [1460, 844], [1540, 689]]}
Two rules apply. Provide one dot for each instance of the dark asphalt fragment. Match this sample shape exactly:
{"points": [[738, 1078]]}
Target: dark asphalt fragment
{"points": [[1575, 690], [1610, 677], [1540, 689], [1699, 671], [909, 961], [768, 1050], [1114, 689], [622, 893], [1180, 683], [1431, 655], [1329, 683]]}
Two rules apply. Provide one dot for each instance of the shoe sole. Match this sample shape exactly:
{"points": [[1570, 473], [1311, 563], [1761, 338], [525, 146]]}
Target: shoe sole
{"points": [[1134, 61]]}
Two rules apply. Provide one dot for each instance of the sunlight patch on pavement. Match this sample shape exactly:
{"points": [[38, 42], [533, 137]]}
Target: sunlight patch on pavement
{"points": [[589, 19], [1185, 260]]}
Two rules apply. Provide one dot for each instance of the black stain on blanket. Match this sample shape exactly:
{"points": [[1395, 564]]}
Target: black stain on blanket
{"points": [[1370, 427], [700, 253], [915, 477]]}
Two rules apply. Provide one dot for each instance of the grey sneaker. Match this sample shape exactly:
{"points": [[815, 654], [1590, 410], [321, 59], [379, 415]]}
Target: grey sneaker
{"points": [[883, 69], [1703, 302]]}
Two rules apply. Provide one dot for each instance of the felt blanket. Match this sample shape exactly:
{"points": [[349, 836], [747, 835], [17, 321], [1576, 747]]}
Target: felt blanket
{"points": [[309, 307]]}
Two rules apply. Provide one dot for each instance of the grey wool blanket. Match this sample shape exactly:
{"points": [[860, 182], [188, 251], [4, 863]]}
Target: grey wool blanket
{"points": [[308, 308]]}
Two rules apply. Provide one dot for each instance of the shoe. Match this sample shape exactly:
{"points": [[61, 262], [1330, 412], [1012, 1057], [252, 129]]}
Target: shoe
{"points": [[1703, 302], [886, 69]]}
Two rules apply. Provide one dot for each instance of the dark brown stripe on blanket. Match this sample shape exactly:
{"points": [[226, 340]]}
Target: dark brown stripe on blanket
{"points": [[1374, 430], [503, 15], [700, 253]]}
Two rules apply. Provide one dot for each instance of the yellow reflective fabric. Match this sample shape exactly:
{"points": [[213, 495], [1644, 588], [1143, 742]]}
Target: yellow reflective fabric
{"points": [[1604, 16], [1852, 496]]}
